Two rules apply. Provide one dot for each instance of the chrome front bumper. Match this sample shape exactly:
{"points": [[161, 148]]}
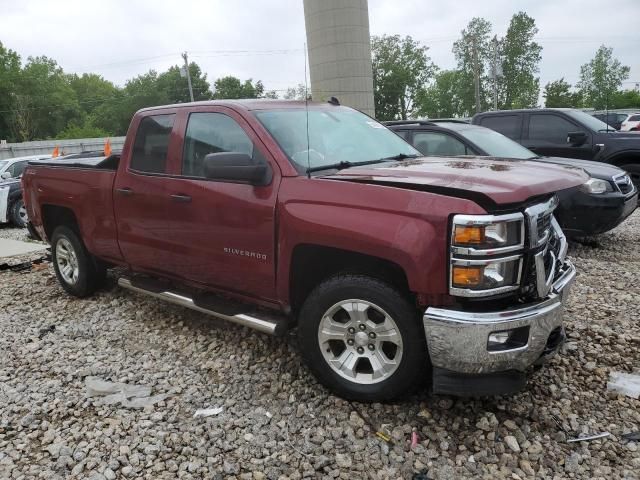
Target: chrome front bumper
{"points": [[458, 340]]}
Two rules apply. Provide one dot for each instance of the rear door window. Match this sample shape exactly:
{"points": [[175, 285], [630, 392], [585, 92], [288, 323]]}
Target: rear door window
{"points": [[508, 125], [549, 128], [152, 144], [17, 168], [438, 144], [210, 132], [634, 118]]}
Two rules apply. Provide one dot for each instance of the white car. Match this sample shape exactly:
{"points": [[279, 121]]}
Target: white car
{"points": [[13, 167], [631, 124]]}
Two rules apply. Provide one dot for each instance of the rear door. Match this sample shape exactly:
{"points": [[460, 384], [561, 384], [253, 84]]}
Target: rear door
{"points": [[547, 136], [222, 232], [140, 195]]}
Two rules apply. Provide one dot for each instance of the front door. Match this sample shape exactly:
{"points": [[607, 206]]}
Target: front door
{"points": [[140, 196], [222, 232], [548, 134]]}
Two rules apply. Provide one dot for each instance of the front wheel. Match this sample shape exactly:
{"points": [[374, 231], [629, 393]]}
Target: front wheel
{"points": [[18, 213], [363, 339], [77, 271]]}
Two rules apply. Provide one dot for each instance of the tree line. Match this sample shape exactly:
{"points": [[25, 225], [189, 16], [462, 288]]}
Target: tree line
{"points": [[38, 100]]}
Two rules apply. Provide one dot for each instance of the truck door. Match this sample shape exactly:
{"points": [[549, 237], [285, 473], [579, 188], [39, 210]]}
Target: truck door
{"points": [[140, 196], [548, 134], [222, 232]]}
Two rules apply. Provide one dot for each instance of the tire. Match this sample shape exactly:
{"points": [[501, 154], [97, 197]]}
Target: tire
{"points": [[77, 270], [372, 303], [18, 213], [633, 169]]}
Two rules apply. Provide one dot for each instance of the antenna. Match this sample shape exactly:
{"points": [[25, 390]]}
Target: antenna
{"points": [[306, 109]]}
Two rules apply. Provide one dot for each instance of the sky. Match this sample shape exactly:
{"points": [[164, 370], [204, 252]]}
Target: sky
{"points": [[264, 40]]}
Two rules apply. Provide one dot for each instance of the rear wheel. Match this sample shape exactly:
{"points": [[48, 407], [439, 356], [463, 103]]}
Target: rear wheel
{"points": [[77, 271], [18, 213], [362, 339]]}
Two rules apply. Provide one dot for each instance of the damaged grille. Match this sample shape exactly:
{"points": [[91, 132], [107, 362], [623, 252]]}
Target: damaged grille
{"points": [[543, 225], [624, 183]]}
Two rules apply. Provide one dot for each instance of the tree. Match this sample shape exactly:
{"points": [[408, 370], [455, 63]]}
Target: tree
{"points": [[626, 99], [601, 78], [176, 86], [86, 130], [91, 90], [401, 70], [520, 56], [43, 95], [473, 52], [297, 93], [231, 87], [558, 94], [10, 70], [442, 99]]}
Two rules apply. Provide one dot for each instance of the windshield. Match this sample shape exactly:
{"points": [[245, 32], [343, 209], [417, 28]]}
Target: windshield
{"points": [[590, 121], [496, 144], [336, 135]]}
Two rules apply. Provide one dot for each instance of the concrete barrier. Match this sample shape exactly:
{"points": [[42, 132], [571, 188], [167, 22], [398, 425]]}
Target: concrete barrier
{"points": [[12, 150]]}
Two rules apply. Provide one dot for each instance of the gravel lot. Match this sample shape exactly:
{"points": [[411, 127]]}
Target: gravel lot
{"points": [[277, 422]]}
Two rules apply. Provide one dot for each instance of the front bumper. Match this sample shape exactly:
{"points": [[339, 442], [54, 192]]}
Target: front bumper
{"points": [[458, 341], [580, 213]]}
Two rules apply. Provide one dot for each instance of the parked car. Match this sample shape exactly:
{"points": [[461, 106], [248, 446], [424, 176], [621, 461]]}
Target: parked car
{"points": [[568, 133], [272, 214], [599, 205], [613, 119], [631, 123], [12, 207]]}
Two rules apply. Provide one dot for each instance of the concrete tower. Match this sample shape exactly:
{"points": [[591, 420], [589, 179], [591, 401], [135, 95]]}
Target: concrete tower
{"points": [[340, 52]]}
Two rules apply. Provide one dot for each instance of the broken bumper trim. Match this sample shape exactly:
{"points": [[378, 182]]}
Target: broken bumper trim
{"points": [[458, 340]]}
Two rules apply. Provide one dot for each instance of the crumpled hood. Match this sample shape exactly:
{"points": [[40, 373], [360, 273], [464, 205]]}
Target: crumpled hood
{"points": [[601, 170], [502, 181]]}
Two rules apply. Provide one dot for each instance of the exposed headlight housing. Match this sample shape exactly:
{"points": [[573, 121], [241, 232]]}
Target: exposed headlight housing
{"points": [[596, 186], [486, 256]]}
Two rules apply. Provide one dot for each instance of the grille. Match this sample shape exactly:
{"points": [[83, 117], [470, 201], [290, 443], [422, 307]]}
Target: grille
{"points": [[624, 184], [544, 225]]}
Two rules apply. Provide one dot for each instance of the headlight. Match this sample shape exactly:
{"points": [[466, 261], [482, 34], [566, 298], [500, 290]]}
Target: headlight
{"points": [[473, 278], [596, 186], [486, 254], [474, 234]]}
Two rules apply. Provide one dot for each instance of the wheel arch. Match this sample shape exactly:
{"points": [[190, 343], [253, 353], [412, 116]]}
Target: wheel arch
{"points": [[312, 264], [54, 216]]}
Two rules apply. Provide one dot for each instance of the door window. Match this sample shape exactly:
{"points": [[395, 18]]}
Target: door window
{"points": [[17, 168], [152, 144], [508, 125], [211, 133], [549, 128], [438, 144]]}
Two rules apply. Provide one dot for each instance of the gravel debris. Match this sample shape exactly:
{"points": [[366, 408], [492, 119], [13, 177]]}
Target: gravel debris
{"points": [[277, 422]]}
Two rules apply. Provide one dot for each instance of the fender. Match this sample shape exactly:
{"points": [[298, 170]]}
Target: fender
{"points": [[406, 227]]}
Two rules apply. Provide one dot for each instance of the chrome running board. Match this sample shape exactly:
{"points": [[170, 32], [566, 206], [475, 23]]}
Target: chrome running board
{"points": [[265, 323]]}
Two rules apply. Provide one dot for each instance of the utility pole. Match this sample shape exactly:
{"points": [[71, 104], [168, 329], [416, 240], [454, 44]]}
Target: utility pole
{"points": [[494, 72], [476, 73], [186, 69]]}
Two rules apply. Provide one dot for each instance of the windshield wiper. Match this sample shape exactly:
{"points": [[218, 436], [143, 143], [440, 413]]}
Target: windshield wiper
{"points": [[344, 164], [400, 156]]}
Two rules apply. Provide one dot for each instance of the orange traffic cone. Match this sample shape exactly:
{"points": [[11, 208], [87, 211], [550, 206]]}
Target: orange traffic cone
{"points": [[107, 148], [56, 152]]}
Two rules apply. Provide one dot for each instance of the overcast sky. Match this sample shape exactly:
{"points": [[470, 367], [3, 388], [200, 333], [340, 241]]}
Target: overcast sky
{"points": [[264, 39]]}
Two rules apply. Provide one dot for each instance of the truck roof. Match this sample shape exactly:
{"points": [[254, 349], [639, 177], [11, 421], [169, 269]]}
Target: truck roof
{"points": [[246, 104]]}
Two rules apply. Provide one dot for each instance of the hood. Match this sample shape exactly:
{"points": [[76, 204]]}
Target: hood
{"points": [[9, 182], [600, 170], [499, 181]]}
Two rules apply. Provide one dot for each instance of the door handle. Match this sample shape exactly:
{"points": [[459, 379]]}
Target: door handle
{"points": [[126, 191], [180, 198]]}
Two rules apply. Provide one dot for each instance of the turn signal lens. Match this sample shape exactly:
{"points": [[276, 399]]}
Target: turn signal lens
{"points": [[468, 235], [464, 277]]}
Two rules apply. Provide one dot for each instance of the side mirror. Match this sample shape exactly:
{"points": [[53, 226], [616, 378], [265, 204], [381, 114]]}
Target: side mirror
{"points": [[236, 167], [576, 139], [5, 175]]}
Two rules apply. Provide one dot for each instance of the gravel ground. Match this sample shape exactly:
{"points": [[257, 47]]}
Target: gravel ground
{"points": [[277, 422]]}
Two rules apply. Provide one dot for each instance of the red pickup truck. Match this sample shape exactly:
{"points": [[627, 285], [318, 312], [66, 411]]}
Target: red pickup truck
{"points": [[396, 269]]}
